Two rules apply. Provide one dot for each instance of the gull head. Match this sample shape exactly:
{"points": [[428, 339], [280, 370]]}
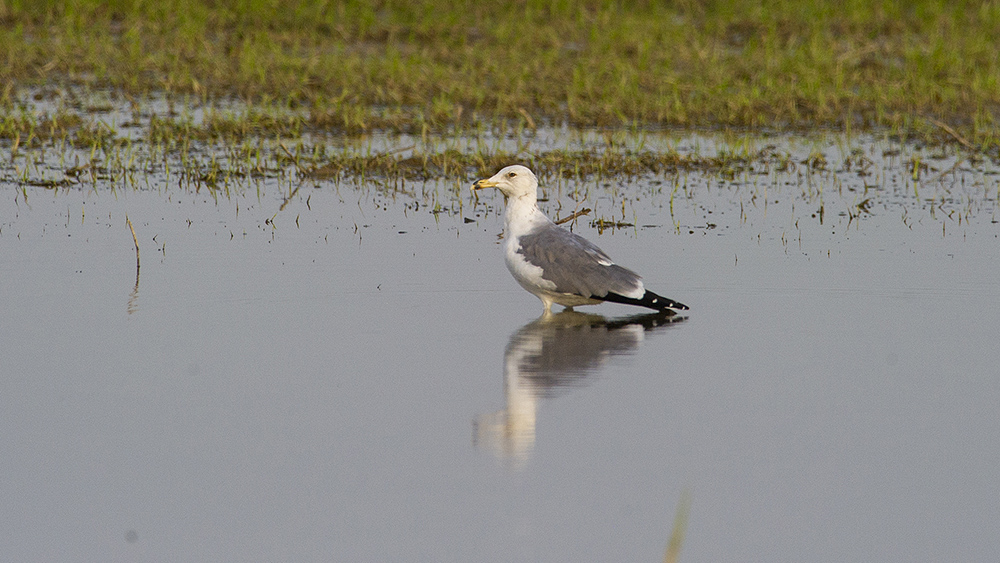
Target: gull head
{"points": [[513, 182]]}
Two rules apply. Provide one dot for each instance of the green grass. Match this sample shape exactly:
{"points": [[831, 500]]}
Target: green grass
{"points": [[419, 66]]}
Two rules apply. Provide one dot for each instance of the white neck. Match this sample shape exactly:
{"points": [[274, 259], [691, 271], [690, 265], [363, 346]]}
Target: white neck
{"points": [[522, 215]]}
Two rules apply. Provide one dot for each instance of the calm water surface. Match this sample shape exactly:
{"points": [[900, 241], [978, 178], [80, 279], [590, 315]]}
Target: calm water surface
{"points": [[355, 378]]}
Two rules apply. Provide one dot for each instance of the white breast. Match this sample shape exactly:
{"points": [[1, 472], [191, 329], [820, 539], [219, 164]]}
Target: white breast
{"points": [[528, 275]]}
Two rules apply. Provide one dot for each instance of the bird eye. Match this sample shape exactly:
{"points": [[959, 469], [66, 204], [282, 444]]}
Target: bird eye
{"points": [[511, 174]]}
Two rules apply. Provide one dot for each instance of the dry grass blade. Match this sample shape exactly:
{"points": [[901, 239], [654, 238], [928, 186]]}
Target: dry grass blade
{"points": [[672, 555], [954, 134]]}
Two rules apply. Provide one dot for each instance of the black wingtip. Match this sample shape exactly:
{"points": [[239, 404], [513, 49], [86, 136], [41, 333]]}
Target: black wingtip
{"points": [[648, 299]]}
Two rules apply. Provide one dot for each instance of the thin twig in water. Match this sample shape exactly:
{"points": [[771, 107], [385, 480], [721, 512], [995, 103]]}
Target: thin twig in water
{"points": [[580, 213], [135, 240], [135, 290]]}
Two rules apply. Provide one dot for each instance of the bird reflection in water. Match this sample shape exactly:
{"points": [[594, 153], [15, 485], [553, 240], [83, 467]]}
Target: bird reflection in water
{"points": [[550, 354]]}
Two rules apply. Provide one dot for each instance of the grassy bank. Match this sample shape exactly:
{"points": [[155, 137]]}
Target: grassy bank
{"points": [[356, 66]]}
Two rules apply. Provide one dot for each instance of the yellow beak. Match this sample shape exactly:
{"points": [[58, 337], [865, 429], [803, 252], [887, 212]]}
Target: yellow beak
{"points": [[480, 184]]}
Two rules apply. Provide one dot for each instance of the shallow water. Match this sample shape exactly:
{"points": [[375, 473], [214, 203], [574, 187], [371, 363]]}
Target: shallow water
{"points": [[352, 377]]}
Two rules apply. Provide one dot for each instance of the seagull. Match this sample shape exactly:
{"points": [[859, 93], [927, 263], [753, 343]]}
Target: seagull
{"points": [[558, 266]]}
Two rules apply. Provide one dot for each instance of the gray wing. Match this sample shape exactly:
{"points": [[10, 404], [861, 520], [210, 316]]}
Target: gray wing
{"points": [[574, 264]]}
